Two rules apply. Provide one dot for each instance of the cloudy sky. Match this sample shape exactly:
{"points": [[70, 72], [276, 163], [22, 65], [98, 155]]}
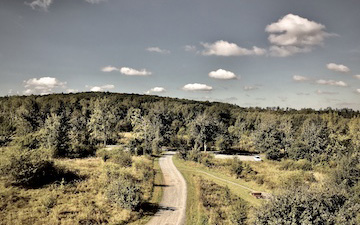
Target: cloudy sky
{"points": [[263, 53]]}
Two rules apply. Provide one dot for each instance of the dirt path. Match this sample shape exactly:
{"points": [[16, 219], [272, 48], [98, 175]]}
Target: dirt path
{"points": [[173, 203]]}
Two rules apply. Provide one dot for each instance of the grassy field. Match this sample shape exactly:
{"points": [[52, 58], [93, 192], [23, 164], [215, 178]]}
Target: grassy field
{"points": [[191, 170], [82, 201]]}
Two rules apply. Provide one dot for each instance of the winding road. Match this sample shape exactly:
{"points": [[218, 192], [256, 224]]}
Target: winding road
{"points": [[173, 203]]}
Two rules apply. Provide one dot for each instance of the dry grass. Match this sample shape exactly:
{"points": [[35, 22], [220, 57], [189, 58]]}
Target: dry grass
{"points": [[80, 202]]}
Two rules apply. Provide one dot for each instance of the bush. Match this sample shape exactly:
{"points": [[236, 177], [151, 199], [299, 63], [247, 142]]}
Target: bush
{"points": [[236, 167], [121, 158], [206, 159], [193, 155], [300, 206], [302, 164], [125, 192], [221, 206], [28, 167]]}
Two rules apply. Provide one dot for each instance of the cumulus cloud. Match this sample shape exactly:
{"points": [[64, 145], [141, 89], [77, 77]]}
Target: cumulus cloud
{"points": [[95, 1], [101, 88], [109, 69], [42, 85], [156, 90], [250, 88], [222, 74], [357, 76], [302, 93], [337, 68], [294, 34], [71, 90], [299, 78], [133, 72], [158, 50], [332, 83], [45, 4], [320, 92], [284, 51], [40, 4], [357, 90], [197, 87], [224, 48], [190, 48]]}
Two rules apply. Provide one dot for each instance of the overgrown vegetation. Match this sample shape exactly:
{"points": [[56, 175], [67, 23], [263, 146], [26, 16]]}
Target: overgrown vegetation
{"points": [[310, 148], [220, 205]]}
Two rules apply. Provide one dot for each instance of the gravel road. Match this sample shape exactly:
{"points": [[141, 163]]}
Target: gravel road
{"points": [[241, 157], [173, 203]]}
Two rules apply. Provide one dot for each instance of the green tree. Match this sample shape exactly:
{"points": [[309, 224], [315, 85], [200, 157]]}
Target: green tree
{"points": [[55, 134], [102, 121], [203, 130]]}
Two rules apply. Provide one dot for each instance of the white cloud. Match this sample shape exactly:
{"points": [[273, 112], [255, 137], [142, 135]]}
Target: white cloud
{"points": [[357, 76], [43, 85], [222, 74], [156, 90], [294, 34], [190, 48], [224, 48], [357, 90], [197, 87], [72, 90], [320, 92], [40, 4], [133, 72], [332, 83], [45, 4], [250, 88], [284, 51], [300, 78], [95, 1], [158, 50], [101, 88], [109, 69], [337, 68]]}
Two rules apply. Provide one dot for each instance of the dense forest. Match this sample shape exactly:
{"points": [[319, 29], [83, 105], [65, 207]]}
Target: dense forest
{"points": [[73, 125], [76, 125]]}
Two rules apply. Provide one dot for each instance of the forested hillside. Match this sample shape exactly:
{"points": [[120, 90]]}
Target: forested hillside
{"points": [[34, 130], [74, 124]]}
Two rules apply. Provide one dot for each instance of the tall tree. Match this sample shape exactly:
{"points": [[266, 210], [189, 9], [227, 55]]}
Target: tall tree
{"points": [[102, 120]]}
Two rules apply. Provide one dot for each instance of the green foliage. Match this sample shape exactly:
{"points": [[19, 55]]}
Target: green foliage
{"points": [[301, 164], [300, 206], [55, 135], [120, 157], [236, 167], [221, 206], [347, 173], [125, 192], [27, 167]]}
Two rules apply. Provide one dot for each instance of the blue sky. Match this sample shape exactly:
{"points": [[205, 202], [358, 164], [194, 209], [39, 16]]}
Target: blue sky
{"points": [[263, 53]]}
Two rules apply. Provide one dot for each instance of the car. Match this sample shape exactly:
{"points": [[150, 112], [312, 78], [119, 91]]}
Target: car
{"points": [[257, 158]]}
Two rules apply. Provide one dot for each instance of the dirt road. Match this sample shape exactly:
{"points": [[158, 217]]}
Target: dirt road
{"points": [[241, 157], [173, 203]]}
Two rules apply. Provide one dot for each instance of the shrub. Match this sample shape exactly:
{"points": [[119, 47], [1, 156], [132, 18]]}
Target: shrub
{"points": [[206, 159], [121, 158], [300, 206], [182, 154], [302, 164], [194, 155], [125, 192], [28, 167], [236, 167], [221, 206]]}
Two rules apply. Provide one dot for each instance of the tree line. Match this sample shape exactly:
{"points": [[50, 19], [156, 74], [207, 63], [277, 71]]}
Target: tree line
{"points": [[73, 125]]}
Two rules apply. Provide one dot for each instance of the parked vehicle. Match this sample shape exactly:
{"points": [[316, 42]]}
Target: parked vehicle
{"points": [[257, 158]]}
